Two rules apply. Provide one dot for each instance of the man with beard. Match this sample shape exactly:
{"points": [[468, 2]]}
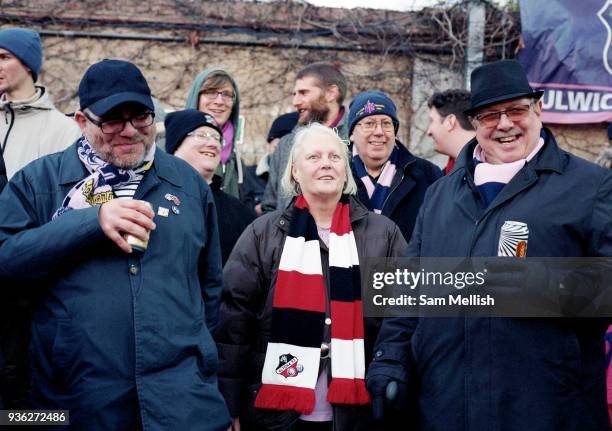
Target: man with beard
{"points": [[119, 243], [318, 95]]}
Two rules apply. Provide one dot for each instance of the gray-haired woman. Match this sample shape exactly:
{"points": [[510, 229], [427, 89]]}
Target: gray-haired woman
{"points": [[293, 343]]}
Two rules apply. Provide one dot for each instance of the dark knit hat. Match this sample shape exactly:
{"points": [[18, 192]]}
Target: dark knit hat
{"points": [[179, 123], [371, 103], [25, 45], [110, 83], [497, 82], [283, 125]]}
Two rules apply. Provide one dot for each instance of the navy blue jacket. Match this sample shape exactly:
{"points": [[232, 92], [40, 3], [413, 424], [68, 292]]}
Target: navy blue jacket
{"points": [[118, 336], [412, 177], [478, 374]]}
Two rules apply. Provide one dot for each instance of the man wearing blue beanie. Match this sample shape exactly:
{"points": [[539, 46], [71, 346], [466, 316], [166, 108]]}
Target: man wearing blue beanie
{"points": [[390, 180], [30, 127]]}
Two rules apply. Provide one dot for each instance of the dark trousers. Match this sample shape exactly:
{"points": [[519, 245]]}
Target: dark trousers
{"points": [[15, 319], [301, 425]]}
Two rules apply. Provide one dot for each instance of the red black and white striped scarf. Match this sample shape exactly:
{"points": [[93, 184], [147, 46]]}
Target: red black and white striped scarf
{"points": [[293, 353]]}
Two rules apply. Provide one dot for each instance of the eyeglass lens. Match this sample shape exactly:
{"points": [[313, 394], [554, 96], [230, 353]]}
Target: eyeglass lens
{"points": [[368, 126], [515, 113], [139, 121]]}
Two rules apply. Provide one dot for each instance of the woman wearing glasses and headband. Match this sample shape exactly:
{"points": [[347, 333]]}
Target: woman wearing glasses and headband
{"points": [[293, 343], [195, 137], [390, 180], [214, 91]]}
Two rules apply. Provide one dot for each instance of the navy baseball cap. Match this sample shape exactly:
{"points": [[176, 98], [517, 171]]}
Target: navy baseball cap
{"points": [[110, 83]]}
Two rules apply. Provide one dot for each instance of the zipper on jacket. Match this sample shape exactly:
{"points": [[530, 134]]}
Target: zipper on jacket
{"points": [[8, 132], [391, 192], [239, 166], [472, 186], [473, 239]]}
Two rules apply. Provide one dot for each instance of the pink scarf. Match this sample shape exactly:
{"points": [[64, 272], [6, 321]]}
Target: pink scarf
{"points": [[228, 141]]}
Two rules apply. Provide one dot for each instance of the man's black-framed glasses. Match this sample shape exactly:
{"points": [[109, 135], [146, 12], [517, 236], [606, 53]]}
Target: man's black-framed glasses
{"points": [[116, 125]]}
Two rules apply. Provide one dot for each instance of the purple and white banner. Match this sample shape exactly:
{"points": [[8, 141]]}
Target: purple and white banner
{"points": [[568, 55]]}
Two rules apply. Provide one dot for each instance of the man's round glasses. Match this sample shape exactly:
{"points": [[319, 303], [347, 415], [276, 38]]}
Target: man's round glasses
{"points": [[370, 126], [205, 137], [227, 96], [116, 125], [514, 114]]}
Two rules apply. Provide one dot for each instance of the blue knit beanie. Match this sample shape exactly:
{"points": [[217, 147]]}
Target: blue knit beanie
{"points": [[369, 103], [25, 45]]}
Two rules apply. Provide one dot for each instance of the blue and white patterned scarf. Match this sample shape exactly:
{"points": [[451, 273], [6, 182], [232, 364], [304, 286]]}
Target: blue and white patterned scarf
{"points": [[104, 182], [376, 192]]}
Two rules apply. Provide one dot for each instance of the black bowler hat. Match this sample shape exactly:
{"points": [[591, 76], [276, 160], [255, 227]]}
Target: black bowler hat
{"points": [[497, 82]]}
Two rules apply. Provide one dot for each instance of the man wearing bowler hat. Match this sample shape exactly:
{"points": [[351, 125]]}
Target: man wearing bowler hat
{"points": [[482, 373], [119, 243]]}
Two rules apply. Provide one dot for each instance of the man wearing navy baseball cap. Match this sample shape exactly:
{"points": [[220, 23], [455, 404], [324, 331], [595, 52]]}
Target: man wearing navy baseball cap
{"points": [[120, 241], [515, 194]]}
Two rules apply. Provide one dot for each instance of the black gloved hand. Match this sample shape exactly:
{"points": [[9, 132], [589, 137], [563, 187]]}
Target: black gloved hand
{"points": [[522, 287], [386, 394], [509, 272]]}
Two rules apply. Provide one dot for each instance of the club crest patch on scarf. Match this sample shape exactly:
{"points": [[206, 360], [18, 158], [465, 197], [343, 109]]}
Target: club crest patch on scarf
{"points": [[95, 198], [289, 366], [370, 107]]}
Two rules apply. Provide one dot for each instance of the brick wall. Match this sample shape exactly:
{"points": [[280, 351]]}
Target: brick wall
{"points": [[199, 34]]}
